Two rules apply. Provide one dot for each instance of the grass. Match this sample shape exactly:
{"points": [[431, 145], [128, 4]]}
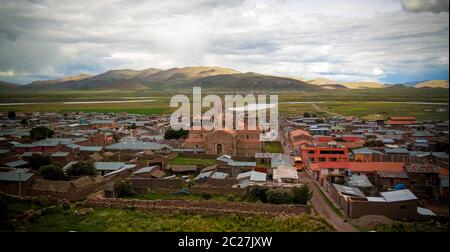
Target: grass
{"points": [[191, 161], [362, 103], [273, 147], [169, 196], [415, 226], [129, 220]]}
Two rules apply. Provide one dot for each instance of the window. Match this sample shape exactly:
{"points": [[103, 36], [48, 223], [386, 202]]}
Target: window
{"points": [[403, 207], [247, 136], [311, 159], [322, 159], [333, 159], [311, 152]]}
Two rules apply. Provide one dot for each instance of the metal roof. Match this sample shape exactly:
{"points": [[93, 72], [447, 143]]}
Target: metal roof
{"points": [[359, 181], [145, 169], [399, 195], [241, 163], [16, 163], [15, 176], [60, 154], [91, 148], [137, 145], [219, 175], [375, 199], [108, 166], [203, 175], [252, 175], [354, 191]]}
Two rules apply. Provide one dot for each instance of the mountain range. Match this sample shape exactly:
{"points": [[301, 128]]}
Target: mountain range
{"points": [[208, 77]]}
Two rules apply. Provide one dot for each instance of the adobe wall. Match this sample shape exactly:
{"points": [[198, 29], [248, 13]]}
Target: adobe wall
{"points": [[390, 209]]}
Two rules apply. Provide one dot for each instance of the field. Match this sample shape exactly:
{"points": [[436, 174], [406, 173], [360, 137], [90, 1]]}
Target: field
{"points": [[425, 104], [191, 161], [273, 147]]}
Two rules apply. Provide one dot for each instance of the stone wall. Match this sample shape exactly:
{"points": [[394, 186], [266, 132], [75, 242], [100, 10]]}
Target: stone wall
{"points": [[210, 207]]}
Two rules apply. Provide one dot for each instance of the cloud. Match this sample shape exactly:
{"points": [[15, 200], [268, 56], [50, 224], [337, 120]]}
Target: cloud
{"points": [[435, 6], [355, 40]]}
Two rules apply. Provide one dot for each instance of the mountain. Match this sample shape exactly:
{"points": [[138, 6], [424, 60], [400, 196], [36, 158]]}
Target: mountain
{"points": [[349, 85], [186, 73], [333, 86], [433, 84], [208, 77], [249, 81], [6, 86]]}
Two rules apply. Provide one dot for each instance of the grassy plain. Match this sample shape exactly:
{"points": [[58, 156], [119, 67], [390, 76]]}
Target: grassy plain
{"points": [[367, 104]]}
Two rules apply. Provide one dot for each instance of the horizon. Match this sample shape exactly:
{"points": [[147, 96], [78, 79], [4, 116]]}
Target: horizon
{"points": [[345, 42], [181, 67]]}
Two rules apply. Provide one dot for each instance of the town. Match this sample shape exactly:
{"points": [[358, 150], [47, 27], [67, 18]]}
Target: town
{"points": [[343, 169]]}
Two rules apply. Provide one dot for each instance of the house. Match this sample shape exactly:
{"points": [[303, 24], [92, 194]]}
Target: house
{"points": [[285, 174], [253, 176], [299, 137], [424, 180], [102, 124], [329, 153], [108, 167], [16, 182], [389, 179], [367, 155], [400, 121]]}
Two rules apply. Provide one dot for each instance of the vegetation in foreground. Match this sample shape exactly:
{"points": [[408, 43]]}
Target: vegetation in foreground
{"points": [[77, 218]]}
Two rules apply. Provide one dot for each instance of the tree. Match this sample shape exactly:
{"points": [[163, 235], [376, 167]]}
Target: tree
{"points": [[81, 169], [52, 172], [24, 122], [40, 133], [257, 193], [36, 161], [301, 194], [278, 196], [12, 115], [306, 115], [123, 188], [175, 134]]}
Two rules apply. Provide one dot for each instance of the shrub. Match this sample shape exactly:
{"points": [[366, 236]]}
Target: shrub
{"points": [[40, 133], [301, 194], [257, 193], [123, 188], [206, 195], [278, 196], [36, 161], [230, 197], [81, 169], [51, 172], [12, 115], [176, 134]]}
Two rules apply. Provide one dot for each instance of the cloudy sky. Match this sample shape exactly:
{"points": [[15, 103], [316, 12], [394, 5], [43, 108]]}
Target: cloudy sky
{"points": [[389, 41]]}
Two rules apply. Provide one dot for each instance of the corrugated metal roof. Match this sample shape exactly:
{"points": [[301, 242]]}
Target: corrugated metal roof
{"points": [[137, 145], [108, 166], [16, 163], [219, 175], [145, 169], [91, 148], [15, 176], [354, 191], [203, 175], [399, 195]]}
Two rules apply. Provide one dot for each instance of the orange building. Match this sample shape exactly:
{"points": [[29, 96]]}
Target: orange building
{"points": [[330, 153]]}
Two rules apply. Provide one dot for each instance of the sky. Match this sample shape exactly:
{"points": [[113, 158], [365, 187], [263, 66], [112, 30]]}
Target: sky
{"points": [[388, 41]]}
